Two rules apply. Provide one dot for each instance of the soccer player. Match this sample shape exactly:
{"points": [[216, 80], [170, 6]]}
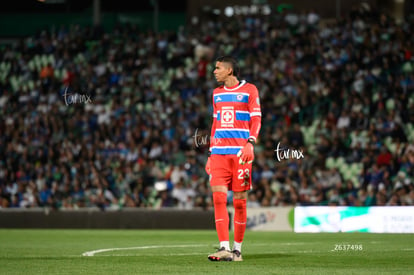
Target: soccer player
{"points": [[236, 125]]}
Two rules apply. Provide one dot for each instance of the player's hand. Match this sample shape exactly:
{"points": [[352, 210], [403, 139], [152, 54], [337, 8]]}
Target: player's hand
{"points": [[208, 169], [246, 154]]}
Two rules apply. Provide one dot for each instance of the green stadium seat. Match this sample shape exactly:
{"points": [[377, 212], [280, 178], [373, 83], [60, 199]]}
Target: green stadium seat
{"points": [[346, 173], [57, 73], [356, 182], [315, 123], [411, 136], [342, 168], [375, 97], [408, 127], [392, 147], [188, 62], [330, 162], [51, 59], [340, 161], [148, 107], [44, 60], [166, 84], [14, 83], [228, 49], [390, 104], [388, 141], [303, 128], [38, 62], [31, 84], [355, 168], [31, 65], [407, 67], [63, 73], [310, 138], [163, 116], [140, 107]]}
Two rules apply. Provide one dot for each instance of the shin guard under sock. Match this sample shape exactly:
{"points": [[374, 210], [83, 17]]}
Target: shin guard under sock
{"points": [[221, 215], [240, 218]]}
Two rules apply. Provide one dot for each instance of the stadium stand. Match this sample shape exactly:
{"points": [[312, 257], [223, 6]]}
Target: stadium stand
{"points": [[121, 119]]}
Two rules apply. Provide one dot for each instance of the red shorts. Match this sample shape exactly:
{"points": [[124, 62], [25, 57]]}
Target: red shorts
{"points": [[226, 170]]}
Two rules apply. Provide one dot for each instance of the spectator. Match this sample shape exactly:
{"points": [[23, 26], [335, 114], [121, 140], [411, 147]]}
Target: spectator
{"points": [[252, 201]]}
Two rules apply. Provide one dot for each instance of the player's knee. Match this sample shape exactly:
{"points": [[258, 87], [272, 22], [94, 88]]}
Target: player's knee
{"points": [[239, 204], [219, 198]]}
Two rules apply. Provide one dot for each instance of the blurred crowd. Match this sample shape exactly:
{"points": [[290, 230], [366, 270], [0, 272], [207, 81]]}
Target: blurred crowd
{"points": [[121, 118]]}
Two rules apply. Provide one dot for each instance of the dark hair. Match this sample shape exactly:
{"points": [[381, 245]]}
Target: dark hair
{"points": [[230, 60]]}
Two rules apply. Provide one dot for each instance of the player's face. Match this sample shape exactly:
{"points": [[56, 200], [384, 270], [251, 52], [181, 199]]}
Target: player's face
{"points": [[222, 71]]}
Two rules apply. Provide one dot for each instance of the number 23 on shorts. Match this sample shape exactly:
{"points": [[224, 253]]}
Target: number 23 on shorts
{"points": [[244, 174]]}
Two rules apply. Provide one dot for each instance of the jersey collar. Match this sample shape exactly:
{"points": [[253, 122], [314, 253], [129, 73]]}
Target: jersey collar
{"points": [[235, 88]]}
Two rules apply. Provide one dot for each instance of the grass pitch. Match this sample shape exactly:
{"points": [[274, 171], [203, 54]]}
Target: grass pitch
{"points": [[185, 252]]}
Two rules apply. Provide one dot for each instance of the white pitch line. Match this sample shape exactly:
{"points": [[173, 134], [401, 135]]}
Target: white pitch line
{"points": [[93, 252], [299, 243], [158, 254]]}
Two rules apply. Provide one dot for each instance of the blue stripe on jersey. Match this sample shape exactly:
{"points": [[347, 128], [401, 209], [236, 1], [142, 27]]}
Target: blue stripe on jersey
{"points": [[231, 98], [231, 134], [242, 116], [239, 116], [225, 151]]}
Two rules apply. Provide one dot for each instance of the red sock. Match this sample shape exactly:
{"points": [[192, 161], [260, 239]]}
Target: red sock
{"points": [[221, 215], [240, 218]]}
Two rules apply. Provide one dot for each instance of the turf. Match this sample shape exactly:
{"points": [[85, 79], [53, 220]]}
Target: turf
{"points": [[185, 252]]}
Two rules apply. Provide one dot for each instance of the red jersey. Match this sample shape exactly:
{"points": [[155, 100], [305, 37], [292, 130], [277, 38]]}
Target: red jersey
{"points": [[236, 117]]}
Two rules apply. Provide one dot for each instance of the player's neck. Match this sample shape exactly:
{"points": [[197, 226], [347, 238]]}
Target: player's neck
{"points": [[231, 81]]}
